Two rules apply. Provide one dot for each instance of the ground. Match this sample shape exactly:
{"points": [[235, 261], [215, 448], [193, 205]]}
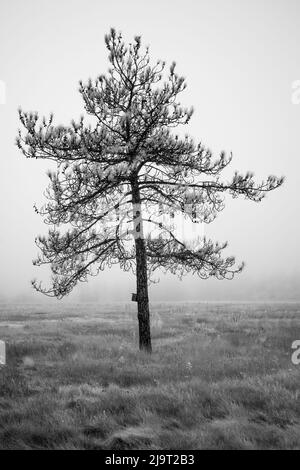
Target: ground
{"points": [[220, 377]]}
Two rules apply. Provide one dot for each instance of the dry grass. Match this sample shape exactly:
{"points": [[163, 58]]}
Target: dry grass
{"points": [[220, 377]]}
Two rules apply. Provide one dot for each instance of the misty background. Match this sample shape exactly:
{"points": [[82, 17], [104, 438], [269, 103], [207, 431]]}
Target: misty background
{"points": [[240, 58]]}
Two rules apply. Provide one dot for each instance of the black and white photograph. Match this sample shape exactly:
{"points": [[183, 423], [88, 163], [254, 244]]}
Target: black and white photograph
{"points": [[150, 228]]}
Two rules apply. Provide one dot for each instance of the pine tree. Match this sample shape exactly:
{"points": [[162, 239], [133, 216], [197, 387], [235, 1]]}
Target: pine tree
{"points": [[127, 167]]}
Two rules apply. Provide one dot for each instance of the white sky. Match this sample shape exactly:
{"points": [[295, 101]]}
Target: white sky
{"points": [[240, 59]]}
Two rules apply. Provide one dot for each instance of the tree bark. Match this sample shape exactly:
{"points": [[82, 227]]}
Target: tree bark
{"points": [[141, 273]]}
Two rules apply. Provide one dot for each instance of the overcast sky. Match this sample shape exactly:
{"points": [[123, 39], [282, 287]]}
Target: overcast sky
{"points": [[240, 58]]}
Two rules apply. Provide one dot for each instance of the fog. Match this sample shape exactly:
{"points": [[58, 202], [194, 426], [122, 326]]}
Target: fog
{"points": [[241, 60]]}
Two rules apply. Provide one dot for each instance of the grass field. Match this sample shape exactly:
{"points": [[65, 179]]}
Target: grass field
{"points": [[220, 377]]}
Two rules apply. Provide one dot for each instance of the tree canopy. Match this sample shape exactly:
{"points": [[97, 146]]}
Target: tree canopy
{"points": [[125, 167]]}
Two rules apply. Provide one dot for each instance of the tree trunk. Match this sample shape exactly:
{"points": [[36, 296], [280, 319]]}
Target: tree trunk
{"points": [[141, 274]]}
